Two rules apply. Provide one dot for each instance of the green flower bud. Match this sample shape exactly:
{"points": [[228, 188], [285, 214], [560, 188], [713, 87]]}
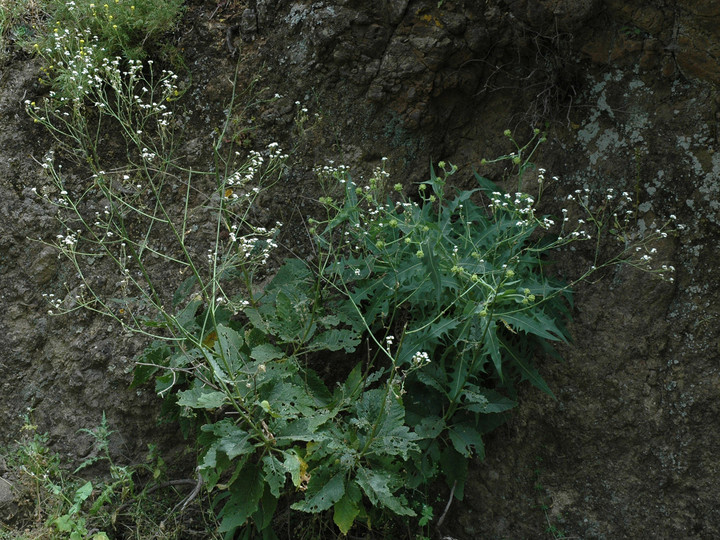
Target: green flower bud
{"points": [[507, 133], [419, 254], [398, 187]]}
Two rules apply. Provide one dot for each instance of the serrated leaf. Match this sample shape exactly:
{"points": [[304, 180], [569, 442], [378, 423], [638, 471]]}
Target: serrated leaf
{"points": [[183, 291], [186, 318], [154, 356], [230, 343], [256, 319], [201, 398], [430, 427], [465, 439], [431, 266], [245, 493], [266, 352], [442, 327], [492, 347], [434, 377], [274, 472], [344, 514], [296, 466], [231, 440], [290, 273], [335, 340], [263, 517], [527, 371], [535, 322], [83, 492], [377, 484], [486, 401], [353, 381], [455, 469], [323, 496]]}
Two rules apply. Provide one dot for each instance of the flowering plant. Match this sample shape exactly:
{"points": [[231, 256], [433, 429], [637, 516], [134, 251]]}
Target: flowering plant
{"points": [[436, 305]]}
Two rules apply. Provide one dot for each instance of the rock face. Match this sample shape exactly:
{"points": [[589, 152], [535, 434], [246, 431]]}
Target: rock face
{"points": [[628, 91]]}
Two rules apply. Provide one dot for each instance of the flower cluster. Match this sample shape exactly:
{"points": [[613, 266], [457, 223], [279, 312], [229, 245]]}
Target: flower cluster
{"points": [[67, 240], [54, 302], [420, 359], [257, 167]]}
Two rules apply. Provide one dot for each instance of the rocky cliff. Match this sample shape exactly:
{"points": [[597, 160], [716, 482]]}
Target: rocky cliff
{"points": [[627, 91]]}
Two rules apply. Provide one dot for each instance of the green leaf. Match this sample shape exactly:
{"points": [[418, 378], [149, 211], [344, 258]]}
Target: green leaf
{"points": [[492, 347], [230, 343], [440, 328], [431, 266], [465, 438], [455, 469], [274, 472], [244, 496], [186, 318], [83, 492], [266, 352], [486, 401], [335, 340], [344, 514], [430, 427], [535, 322], [487, 185], [434, 377], [354, 381], [263, 517], [256, 319], [183, 291], [290, 273], [296, 466], [324, 496], [527, 371], [376, 484], [154, 356], [231, 440], [64, 523], [201, 398]]}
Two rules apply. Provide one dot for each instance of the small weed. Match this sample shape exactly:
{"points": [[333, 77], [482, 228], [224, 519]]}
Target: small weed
{"points": [[59, 504], [545, 502]]}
